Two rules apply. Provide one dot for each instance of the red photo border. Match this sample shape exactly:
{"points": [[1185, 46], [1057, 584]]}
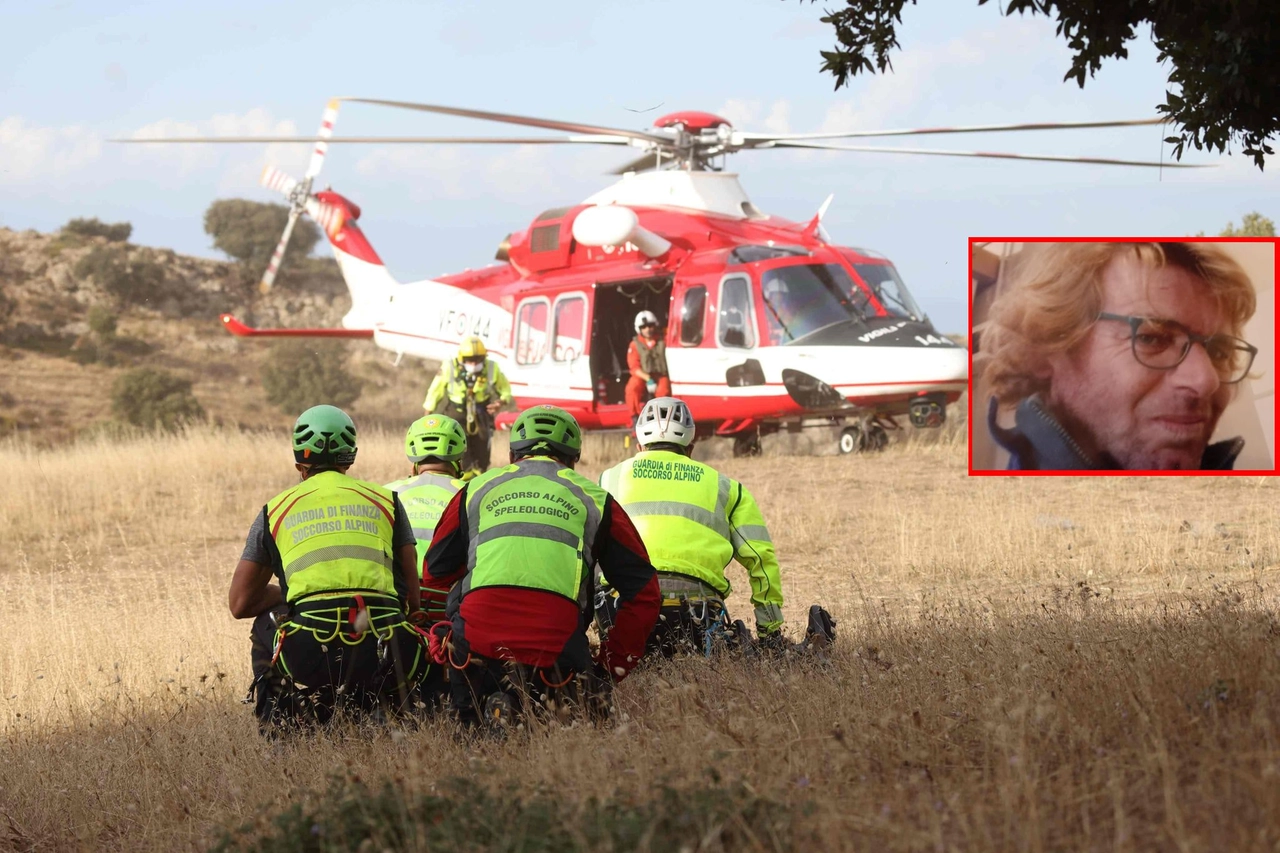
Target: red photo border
{"points": [[1253, 472]]}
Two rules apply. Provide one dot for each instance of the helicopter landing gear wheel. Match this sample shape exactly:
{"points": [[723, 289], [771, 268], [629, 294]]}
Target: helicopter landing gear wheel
{"points": [[747, 443], [863, 438]]}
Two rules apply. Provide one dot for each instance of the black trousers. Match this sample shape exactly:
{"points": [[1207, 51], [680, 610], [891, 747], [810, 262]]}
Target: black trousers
{"points": [[530, 690], [693, 626], [314, 677], [479, 443]]}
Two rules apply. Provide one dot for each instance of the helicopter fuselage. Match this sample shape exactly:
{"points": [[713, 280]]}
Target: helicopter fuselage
{"points": [[764, 320]]}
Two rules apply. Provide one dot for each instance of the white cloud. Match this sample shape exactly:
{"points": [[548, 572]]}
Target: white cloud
{"points": [[31, 153], [752, 116], [441, 170], [240, 165], [518, 174]]}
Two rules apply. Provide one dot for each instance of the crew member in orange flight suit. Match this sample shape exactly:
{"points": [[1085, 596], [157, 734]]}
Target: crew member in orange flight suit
{"points": [[647, 360]]}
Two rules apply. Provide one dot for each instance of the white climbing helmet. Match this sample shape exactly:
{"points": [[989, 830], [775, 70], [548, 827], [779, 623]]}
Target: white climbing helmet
{"points": [[665, 420], [645, 318]]}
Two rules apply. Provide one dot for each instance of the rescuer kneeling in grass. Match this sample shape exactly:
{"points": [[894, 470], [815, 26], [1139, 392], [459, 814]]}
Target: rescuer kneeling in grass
{"points": [[695, 521], [523, 539], [435, 446], [334, 632]]}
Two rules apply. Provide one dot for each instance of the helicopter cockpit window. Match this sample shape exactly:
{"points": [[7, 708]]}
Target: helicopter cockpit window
{"points": [[802, 299], [735, 313], [889, 289], [692, 311], [531, 332], [570, 328]]}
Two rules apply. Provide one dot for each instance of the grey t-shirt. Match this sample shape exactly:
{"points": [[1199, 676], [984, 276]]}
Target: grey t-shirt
{"points": [[260, 548]]}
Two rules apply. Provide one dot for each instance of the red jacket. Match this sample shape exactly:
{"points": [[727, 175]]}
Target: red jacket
{"points": [[541, 628]]}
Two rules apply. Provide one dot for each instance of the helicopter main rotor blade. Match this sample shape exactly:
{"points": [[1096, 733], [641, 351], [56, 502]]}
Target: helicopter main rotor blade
{"points": [[974, 128], [938, 152], [396, 140], [527, 121]]}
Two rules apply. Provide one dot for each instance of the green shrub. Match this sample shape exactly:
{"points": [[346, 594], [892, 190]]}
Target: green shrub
{"points": [[151, 398], [352, 816], [301, 374], [30, 336], [129, 282], [115, 232], [102, 322]]}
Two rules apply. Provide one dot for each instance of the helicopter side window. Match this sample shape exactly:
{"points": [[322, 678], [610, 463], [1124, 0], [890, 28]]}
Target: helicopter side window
{"points": [[692, 312], [735, 329], [531, 331], [570, 328]]}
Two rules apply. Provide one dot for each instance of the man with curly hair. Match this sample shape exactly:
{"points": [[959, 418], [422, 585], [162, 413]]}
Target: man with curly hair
{"points": [[1118, 355]]}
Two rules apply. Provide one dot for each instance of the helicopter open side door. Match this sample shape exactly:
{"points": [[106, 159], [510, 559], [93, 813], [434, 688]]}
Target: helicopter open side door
{"points": [[612, 330]]}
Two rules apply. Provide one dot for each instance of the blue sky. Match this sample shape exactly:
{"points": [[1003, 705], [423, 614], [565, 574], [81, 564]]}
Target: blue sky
{"points": [[72, 76]]}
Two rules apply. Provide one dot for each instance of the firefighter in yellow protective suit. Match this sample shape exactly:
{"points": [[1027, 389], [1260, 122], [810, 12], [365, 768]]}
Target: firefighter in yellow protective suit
{"points": [[694, 521], [434, 446], [470, 389]]}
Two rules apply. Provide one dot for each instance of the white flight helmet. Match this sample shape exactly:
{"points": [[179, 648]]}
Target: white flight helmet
{"points": [[645, 317], [665, 420]]}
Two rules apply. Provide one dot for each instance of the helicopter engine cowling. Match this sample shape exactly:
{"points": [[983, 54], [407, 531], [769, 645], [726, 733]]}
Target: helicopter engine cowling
{"points": [[615, 225]]}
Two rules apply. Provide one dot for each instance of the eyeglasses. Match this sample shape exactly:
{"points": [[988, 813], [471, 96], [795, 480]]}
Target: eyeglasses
{"points": [[1164, 344], [648, 325]]}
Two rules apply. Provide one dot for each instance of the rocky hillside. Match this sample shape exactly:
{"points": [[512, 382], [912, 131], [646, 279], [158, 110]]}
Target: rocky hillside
{"points": [[56, 371]]}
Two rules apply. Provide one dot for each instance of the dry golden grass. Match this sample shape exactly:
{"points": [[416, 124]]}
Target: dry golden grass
{"points": [[1032, 664]]}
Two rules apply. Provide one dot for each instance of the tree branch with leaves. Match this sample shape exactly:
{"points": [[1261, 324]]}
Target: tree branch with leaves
{"points": [[1224, 64]]}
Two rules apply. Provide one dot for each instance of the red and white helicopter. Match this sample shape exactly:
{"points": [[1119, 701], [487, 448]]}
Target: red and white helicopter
{"points": [[769, 325]]}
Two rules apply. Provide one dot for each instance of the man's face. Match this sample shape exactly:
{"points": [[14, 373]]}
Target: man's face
{"points": [[1141, 417], [649, 330]]}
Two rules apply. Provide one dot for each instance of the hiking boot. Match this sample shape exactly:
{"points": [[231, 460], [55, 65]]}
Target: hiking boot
{"points": [[820, 634], [499, 712]]}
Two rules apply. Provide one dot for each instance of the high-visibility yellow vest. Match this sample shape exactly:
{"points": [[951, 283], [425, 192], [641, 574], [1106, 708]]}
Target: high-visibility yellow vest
{"points": [[680, 509], [532, 524], [334, 534], [424, 498], [483, 386], [694, 521]]}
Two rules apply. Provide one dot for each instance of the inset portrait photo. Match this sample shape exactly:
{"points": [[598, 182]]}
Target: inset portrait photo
{"points": [[1122, 356]]}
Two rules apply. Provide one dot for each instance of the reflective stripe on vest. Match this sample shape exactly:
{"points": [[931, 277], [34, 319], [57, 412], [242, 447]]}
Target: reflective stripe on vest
{"points": [[334, 533], [532, 524], [680, 508], [424, 498]]}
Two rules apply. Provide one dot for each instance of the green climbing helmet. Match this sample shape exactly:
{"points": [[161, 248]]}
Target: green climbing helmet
{"points": [[546, 428], [324, 435], [435, 437]]}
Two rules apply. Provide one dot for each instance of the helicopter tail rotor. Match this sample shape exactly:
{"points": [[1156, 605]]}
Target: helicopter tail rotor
{"points": [[299, 194]]}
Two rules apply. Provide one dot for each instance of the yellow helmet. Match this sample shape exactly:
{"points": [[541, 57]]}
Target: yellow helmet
{"points": [[472, 347]]}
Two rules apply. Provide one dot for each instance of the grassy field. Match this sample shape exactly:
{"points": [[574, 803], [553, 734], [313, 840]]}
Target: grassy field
{"points": [[1029, 664]]}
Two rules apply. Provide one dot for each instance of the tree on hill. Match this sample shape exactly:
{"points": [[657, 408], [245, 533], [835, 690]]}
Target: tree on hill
{"points": [[1251, 225], [115, 232], [248, 231], [1224, 70]]}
